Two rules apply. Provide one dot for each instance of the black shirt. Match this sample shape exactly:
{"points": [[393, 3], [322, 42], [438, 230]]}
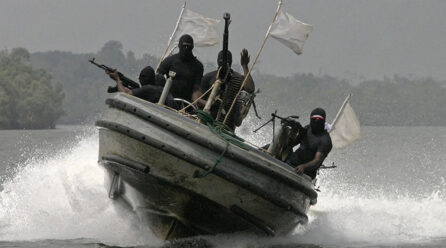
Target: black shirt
{"points": [[209, 78], [207, 81], [188, 75], [310, 144], [152, 93]]}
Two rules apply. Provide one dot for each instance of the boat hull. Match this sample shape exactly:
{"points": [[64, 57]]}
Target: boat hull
{"points": [[162, 165]]}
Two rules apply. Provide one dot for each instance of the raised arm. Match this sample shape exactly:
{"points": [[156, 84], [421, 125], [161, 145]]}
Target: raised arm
{"points": [[244, 61]]}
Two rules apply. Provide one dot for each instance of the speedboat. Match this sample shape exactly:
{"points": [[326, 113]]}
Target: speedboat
{"points": [[182, 179]]}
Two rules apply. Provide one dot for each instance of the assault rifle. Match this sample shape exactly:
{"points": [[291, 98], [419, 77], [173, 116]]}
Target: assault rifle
{"points": [[225, 67], [127, 82]]}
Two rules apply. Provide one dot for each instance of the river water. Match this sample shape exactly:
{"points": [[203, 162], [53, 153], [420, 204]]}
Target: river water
{"points": [[388, 190]]}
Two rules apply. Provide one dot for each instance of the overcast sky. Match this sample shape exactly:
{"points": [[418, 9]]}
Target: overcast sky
{"points": [[351, 38]]}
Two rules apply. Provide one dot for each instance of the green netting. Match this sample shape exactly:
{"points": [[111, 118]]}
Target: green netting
{"points": [[221, 130]]}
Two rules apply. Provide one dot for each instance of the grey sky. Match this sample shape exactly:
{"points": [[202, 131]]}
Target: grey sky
{"points": [[351, 38]]}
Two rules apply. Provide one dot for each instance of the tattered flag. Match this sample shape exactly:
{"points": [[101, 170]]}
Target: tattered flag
{"points": [[291, 32], [345, 128], [201, 28]]}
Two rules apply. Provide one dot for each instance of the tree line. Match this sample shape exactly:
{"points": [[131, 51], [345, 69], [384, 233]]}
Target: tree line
{"points": [[391, 101], [29, 99], [37, 89]]}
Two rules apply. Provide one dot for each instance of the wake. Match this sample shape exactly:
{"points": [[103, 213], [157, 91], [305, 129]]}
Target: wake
{"points": [[61, 196]]}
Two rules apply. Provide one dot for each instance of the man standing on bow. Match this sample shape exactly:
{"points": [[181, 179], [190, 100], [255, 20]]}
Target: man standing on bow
{"points": [[187, 67]]}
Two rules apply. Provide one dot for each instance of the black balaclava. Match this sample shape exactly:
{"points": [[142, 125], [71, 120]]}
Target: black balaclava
{"points": [[220, 59], [185, 45], [147, 76], [317, 121]]}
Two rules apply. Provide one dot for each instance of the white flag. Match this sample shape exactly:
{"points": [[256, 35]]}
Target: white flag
{"points": [[291, 32], [201, 28], [345, 128]]}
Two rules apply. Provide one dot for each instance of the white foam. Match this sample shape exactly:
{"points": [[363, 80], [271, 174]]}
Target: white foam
{"points": [[341, 221], [338, 218], [63, 197], [369, 210]]}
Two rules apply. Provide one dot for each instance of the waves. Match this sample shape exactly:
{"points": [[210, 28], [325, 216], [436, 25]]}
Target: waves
{"points": [[62, 197], [338, 218]]}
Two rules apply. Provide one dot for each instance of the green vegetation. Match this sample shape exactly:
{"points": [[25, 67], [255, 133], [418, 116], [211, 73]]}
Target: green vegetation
{"points": [[28, 98], [396, 101], [85, 85]]}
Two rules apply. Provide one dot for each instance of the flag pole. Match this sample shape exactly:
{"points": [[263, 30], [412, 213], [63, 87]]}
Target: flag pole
{"points": [[255, 60], [333, 125], [171, 37]]}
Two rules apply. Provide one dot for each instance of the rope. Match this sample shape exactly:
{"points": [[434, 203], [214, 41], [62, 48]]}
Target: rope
{"points": [[196, 100], [255, 61], [205, 93], [221, 130], [197, 173]]}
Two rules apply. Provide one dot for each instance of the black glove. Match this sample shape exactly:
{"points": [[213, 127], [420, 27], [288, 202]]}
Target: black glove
{"points": [[112, 89], [244, 57]]}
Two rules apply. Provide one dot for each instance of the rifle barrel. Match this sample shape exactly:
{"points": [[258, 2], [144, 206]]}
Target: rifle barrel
{"points": [[127, 82]]}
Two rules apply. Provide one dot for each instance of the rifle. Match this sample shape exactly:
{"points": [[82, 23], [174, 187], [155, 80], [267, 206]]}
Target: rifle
{"points": [[225, 68], [127, 82], [231, 86]]}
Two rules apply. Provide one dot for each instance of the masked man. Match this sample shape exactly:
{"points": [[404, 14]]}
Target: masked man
{"points": [[187, 68], [209, 79], [315, 144], [150, 87]]}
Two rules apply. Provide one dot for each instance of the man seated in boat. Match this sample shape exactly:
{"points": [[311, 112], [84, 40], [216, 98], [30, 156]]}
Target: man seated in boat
{"points": [[315, 145], [188, 69], [151, 87], [209, 79]]}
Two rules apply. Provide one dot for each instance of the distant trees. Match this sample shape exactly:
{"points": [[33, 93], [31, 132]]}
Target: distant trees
{"points": [[395, 101], [388, 101], [85, 85], [28, 97]]}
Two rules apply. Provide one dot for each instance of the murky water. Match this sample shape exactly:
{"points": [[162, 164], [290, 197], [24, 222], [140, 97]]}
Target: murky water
{"points": [[389, 190]]}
